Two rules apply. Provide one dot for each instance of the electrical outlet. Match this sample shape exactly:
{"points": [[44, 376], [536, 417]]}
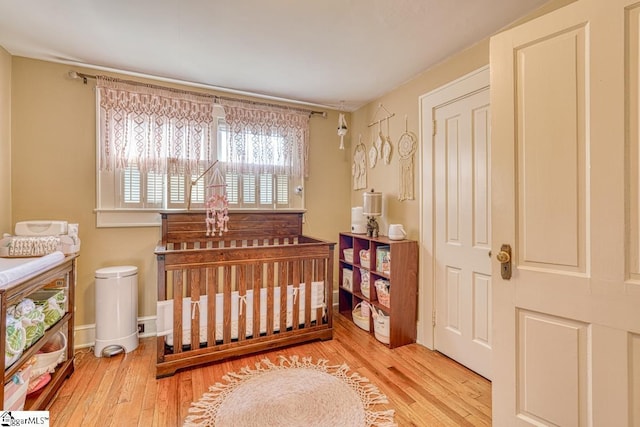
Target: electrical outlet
{"points": [[140, 328]]}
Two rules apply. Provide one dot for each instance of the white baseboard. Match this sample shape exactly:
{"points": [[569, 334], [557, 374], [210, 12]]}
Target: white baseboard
{"points": [[85, 335]]}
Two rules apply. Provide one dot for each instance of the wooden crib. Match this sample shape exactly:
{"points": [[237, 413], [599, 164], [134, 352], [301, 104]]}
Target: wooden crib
{"points": [[259, 286]]}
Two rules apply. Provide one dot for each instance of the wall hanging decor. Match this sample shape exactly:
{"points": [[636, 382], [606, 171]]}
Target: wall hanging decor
{"points": [[342, 129], [387, 147], [407, 146], [359, 166], [379, 140], [373, 156], [377, 150]]}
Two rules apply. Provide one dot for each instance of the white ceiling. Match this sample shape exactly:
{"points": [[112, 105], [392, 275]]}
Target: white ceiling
{"points": [[335, 53]]}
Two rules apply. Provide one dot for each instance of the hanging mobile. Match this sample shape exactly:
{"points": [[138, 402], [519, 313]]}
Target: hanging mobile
{"points": [[217, 205]]}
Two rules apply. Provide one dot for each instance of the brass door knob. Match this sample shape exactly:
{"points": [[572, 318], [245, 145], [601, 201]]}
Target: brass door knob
{"points": [[503, 257]]}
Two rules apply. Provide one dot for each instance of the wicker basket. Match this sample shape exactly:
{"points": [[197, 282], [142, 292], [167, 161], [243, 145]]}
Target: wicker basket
{"points": [[52, 354], [384, 292], [361, 321], [365, 288], [381, 326], [365, 258]]}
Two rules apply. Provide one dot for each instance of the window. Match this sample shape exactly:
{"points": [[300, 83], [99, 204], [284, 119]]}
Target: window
{"points": [[259, 186], [149, 155]]}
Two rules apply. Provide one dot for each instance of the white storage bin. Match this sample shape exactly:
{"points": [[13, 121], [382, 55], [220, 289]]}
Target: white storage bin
{"points": [[348, 254], [381, 326]]}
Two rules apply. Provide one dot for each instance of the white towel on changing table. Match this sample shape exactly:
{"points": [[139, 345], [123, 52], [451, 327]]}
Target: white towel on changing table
{"points": [[13, 269]]}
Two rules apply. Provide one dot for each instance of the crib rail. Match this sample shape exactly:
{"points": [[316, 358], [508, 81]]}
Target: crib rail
{"points": [[231, 297]]}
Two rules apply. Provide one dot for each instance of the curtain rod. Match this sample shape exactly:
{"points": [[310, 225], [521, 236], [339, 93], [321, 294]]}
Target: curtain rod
{"points": [[84, 77]]}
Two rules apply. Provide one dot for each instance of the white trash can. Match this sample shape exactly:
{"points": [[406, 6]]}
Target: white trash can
{"points": [[116, 310]]}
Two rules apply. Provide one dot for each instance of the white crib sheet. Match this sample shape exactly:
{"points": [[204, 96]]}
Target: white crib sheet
{"points": [[164, 316]]}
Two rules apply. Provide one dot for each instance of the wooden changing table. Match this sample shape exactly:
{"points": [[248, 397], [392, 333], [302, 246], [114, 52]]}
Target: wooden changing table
{"points": [[63, 274]]}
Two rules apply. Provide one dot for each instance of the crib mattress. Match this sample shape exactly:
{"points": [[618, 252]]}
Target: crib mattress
{"points": [[239, 304]]}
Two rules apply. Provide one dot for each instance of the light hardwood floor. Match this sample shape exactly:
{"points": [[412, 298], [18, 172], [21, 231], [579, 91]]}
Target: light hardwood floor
{"points": [[424, 387]]}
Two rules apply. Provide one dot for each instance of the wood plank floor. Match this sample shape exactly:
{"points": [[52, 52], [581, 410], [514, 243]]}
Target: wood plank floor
{"points": [[424, 387]]}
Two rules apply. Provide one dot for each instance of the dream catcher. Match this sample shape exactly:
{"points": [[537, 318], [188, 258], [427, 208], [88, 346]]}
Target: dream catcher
{"points": [[407, 146], [217, 205]]}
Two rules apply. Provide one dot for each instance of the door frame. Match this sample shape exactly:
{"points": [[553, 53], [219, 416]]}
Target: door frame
{"points": [[472, 82]]}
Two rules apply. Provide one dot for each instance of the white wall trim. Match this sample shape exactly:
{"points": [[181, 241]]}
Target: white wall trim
{"points": [[427, 103], [85, 335]]}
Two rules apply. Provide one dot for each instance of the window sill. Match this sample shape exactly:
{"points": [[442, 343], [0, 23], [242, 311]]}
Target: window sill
{"points": [[111, 218]]}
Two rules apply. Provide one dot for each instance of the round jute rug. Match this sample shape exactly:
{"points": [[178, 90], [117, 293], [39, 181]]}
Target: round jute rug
{"points": [[294, 392]]}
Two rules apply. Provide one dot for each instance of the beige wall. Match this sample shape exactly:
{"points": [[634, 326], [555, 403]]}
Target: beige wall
{"points": [[54, 177], [53, 165], [5, 141], [404, 103]]}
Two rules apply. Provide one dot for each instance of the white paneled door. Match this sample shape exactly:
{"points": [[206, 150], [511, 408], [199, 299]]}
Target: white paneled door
{"points": [[460, 119], [565, 199]]}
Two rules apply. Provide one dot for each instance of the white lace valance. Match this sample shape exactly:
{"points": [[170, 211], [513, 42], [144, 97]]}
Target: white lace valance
{"points": [[266, 139], [155, 129]]}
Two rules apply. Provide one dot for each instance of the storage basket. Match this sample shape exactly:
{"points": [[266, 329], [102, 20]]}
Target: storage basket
{"points": [[347, 278], [51, 354], [381, 326], [364, 276], [383, 290], [365, 259], [365, 288], [361, 321], [348, 254]]}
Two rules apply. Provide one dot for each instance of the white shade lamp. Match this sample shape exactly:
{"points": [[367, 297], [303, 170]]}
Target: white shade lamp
{"points": [[372, 208]]}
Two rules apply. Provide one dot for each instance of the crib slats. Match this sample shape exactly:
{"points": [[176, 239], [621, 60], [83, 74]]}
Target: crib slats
{"points": [[320, 276], [242, 306], [256, 286], [177, 311], [212, 284], [194, 286], [282, 273], [226, 317], [270, 298], [295, 281], [308, 292]]}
